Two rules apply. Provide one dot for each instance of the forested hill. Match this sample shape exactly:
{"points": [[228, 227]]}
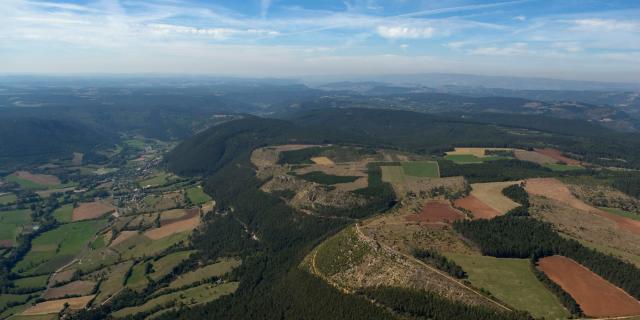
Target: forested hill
{"points": [[25, 139], [411, 131]]}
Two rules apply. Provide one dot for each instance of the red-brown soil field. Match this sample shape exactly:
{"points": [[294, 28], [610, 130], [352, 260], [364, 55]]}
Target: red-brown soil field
{"points": [[91, 210], [188, 214], [437, 212], [556, 190], [479, 209], [596, 296], [79, 288], [557, 155]]}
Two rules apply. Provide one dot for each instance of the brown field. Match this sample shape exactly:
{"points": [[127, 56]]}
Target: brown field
{"points": [[43, 179], [596, 296], [478, 152], [323, 161], [62, 276], [479, 209], [173, 228], [124, 235], [172, 216], [491, 194], [557, 155], [533, 156], [78, 288], [91, 210], [435, 211], [55, 306], [556, 190]]}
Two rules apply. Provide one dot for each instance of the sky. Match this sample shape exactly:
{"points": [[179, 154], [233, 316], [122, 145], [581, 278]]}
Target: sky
{"points": [[564, 39]]}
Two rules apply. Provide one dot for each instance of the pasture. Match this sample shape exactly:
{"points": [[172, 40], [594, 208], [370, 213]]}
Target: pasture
{"points": [[28, 180], [463, 158], [11, 225], [8, 198], [64, 214], [57, 247], [596, 296], [421, 169], [75, 288], [165, 265], [511, 281], [217, 269], [560, 167], [197, 196], [192, 296], [31, 282], [158, 179]]}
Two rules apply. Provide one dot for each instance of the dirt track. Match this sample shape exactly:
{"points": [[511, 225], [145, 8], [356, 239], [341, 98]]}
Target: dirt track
{"points": [[596, 296]]}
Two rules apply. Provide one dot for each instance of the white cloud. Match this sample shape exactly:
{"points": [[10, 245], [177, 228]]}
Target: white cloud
{"points": [[264, 7], [215, 33], [607, 25], [403, 32], [520, 18], [567, 46], [518, 48]]}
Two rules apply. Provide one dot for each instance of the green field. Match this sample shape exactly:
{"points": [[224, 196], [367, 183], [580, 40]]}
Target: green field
{"points": [[421, 169], [135, 143], [32, 282], [8, 198], [562, 167], [511, 281], [192, 296], [165, 265], [622, 213], [158, 179], [12, 298], [64, 213], [140, 245], [197, 196], [393, 174], [138, 279], [24, 183], [217, 269], [12, 222], [57, 247], [113, 281]]}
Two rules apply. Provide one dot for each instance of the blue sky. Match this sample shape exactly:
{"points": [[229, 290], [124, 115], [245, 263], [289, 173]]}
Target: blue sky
{"points": [[567, 39]]}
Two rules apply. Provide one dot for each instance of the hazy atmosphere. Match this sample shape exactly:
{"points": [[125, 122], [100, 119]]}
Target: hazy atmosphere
{"points": [[583, 40]]}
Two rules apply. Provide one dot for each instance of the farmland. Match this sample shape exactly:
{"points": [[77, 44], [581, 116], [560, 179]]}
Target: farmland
{"points": [[511, 281], [64, 213], [7, 198], [91, 210], [12, 223], [197, 196], [596, 296], [421, 169]]}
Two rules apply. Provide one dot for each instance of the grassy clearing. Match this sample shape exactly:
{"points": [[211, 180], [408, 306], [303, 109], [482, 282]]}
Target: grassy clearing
{"points": [[622, 213], [511, 281], [12, 223], [197, 196], [558, 167], [217, 269], [189, 297], [113, 281], [31, 282], [64, 214], [8, 198], [57, 247], [421, 169], [463, 158]]}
